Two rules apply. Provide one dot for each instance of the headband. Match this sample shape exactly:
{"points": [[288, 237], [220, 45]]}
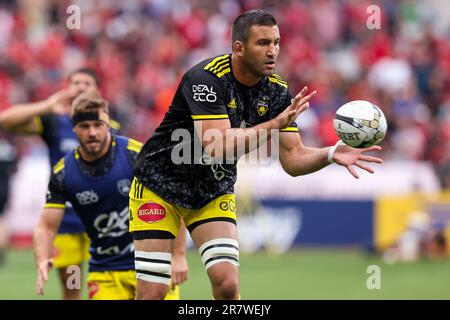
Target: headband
{"points": [[90, 116]]}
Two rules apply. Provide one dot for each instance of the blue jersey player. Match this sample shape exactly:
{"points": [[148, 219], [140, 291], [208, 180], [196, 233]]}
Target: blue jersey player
{"points": [[50, 119], [95, 178]]}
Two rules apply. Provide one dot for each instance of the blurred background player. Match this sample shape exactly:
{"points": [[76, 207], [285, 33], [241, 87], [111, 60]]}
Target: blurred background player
{"points": [[96, 179], [51, 120], [8, 162]]}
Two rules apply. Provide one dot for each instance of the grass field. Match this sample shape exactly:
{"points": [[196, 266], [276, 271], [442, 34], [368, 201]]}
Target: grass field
{"points": [[300, 274]]}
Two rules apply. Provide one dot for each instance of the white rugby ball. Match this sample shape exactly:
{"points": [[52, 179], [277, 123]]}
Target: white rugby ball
{"points": [[360, 124]]}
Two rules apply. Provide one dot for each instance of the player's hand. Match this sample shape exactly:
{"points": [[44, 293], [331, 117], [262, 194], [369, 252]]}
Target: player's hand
{"points": [[60, 102], [299, 104], [42, 275], [179, 269], [348, 157]]}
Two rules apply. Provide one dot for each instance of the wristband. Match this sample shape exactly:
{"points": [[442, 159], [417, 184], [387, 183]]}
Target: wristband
{"points": [[332, 150]]}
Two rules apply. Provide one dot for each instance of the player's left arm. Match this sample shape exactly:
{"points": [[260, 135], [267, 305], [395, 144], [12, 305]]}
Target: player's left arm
{"points": [[179, 265], [297, 159], [48, 225], [43, 238]]}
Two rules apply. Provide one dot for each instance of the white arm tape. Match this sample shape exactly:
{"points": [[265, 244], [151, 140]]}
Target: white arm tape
{"points": [[332, 150]]}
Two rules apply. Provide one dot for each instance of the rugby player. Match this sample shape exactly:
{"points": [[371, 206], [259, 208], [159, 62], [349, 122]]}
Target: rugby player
{"points": [[238, 95]]}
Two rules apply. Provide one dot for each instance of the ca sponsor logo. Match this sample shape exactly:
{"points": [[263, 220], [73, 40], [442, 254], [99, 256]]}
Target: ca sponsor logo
{"points": [[87, 197], [203, 93], [151, 212], [113, 224]]}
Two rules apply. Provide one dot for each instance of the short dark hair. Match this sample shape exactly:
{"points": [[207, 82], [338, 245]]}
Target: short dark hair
{"points": [[242, 24], [89, 71]]}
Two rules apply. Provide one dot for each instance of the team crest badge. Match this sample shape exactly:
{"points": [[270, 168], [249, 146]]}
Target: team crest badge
{"points": [[262, 107], [123, 186]]}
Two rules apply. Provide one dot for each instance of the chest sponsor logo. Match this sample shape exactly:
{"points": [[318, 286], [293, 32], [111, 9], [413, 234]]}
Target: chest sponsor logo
{"points": [[87, 197], [151, 212], [123, 186], [203, 93], [113, 224], [262, 107]]}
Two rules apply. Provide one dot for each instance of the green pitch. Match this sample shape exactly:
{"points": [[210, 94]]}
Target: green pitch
{"points": [[300, 274]]}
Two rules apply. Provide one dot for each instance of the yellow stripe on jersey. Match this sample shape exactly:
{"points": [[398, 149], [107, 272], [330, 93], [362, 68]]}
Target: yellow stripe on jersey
{"points": [[209, 116], [276, 76], [39, 126], [134, 145], [278, 81], [58, 166], [218, 59], [54, 206], [289, 129], [219, 66], [224, 72]]}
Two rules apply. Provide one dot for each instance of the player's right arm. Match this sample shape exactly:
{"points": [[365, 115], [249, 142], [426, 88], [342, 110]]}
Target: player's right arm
{"points": [[212, 124], [25, 118], [48, 225]]}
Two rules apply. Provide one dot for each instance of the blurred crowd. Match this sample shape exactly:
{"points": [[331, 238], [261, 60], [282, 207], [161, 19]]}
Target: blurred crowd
{"points": [[140, 48]]}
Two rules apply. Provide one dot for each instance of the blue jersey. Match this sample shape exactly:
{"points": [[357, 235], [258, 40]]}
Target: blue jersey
{"points": [[99, 195], [57, 132]]}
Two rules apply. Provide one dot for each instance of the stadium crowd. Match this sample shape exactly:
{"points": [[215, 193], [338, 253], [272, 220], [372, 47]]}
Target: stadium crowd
{"points": [[140, 48]]}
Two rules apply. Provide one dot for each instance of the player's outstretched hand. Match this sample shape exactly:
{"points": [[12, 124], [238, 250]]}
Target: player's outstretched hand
{"points": [[42, 275], [179, 269], [60, 102], [348, 157], [299, 104]]}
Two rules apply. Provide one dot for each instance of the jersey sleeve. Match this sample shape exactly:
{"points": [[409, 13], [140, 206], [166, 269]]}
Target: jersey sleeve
{"points": [[56, 196], [46, 127], [204, 95]]}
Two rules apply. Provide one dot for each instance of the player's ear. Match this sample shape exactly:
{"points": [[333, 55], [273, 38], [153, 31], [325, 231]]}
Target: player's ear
{"points": [[238, 47]]}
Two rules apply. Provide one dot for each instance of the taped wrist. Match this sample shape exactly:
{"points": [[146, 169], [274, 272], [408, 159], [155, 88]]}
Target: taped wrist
{"points": [[332, 150]]}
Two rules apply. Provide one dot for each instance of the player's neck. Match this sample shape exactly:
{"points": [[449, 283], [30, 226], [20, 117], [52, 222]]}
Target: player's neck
{"points": [[241, 74], [94, 157]]}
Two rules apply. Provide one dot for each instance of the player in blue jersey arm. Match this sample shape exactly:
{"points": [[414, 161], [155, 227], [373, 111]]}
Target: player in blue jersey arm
{"points": [[51, 120], [223, 101], [96, 179]]}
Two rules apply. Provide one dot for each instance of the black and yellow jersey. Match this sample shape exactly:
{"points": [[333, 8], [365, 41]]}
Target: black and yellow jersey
{"points": [[207, 91]]}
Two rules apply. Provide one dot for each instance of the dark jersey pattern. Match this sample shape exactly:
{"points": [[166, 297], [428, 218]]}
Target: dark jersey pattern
{"points": [[207, 91], [99, 194]]}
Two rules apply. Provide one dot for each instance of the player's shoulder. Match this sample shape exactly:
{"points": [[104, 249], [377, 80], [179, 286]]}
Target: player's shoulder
{"points": [[134, 145], [130, 144], [276, 81], [60, 166], [212, 68]]}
